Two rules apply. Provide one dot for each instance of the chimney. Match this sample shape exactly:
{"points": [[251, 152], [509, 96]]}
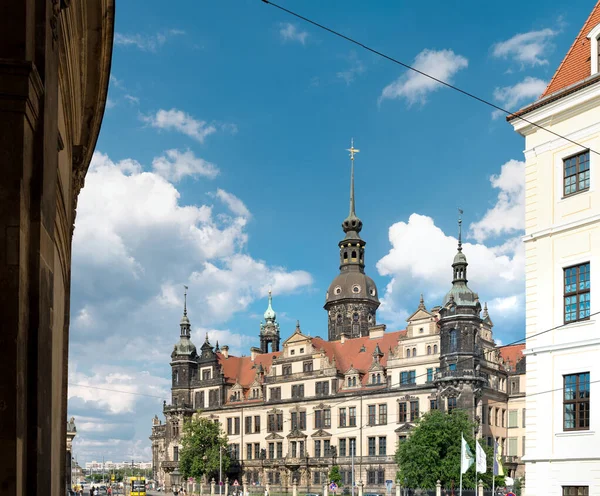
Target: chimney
{"points": [[377, 331], [343, 338], [225, 351], [253, 352]]}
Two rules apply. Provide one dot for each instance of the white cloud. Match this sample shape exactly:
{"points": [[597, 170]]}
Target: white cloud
{"points": [[180, 121], [356, 68], [135, 245], [233, 203], [110, 103], [289, 32], [529, 48], [510, 97], [174, 165], [414, 87], [134, 100], [508, 214], [420, 260], [147, 43]]}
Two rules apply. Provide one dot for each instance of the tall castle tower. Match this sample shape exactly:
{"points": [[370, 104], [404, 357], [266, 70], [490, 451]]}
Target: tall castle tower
{"points": [[269, 330], [459, 382], [351, 300]]}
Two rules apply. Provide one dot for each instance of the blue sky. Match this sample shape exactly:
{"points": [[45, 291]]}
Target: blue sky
{"points": [[221, 165]]}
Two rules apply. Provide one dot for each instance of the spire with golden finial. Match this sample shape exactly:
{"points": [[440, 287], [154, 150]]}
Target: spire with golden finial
{"points": [[352, 224]]}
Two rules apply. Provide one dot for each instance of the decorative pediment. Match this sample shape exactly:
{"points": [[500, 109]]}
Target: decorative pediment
{"points": [[352, 370], [273, 436], [321, 406], [274, 411], [407, 397], [296, 434], [237, 386], [256, 382], [420, 314], [404, 427], [297, 408], [450, 392], [320, 433], [376, 366]]}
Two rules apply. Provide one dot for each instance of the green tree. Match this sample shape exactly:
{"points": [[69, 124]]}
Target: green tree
{"points": [[432, 452], [335, 475], [200, 444]]}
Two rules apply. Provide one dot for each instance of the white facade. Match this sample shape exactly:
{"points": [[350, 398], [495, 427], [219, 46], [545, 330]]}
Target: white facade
{"points": [[562, 231]]}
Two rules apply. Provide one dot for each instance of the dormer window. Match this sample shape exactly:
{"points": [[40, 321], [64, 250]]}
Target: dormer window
{"points": [[594, 37]]}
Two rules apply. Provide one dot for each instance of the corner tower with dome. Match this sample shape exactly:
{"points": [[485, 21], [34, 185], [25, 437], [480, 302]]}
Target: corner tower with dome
{"points": [[351, 300]]}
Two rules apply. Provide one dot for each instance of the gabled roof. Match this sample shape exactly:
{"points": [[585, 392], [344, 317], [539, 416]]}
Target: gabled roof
{"points": [[512, 354], [576, 65], [243, 369]]}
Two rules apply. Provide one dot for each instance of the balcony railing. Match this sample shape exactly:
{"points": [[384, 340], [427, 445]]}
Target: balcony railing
{"points": [[183, 406], [451, 374], [169, 464]]}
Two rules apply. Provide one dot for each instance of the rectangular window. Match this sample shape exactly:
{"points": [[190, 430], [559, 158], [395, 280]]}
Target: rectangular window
{"points": [[372, 447], [327, 447], [279, 450], [429, 375], [249, 451], [327, 418], [414, 410], [301, 448], [433, 405], [316, 477], [380, 476], [523, 446], [275, 393], [403, 377], [513, 418], [371, 477], [248, 425], [408, 377], [576, 402], [307, 366], [577, 173], [342, 446], [451, 404], [294, 420], [271, 451], [523, 417], [257, 423], [229, 425], [318, 419], [382, 446], [237, 426], [372, 415], [402, 412], [286, 370], [452, 367], [352, 416], [503, 417], [206, 375], [483, 410], [577, 293], [322, 388], [317, 448], [352, 446], [275, 422], [342, 417], [575, 491], [298, 391], [302, 425], [382, 414], [294, 446], [235, 451], [512, 446], [256, 451], [175, 453]]}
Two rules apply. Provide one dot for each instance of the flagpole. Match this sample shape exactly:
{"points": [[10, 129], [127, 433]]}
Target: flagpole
{"points": [[461, 463], [475, 465], [494, 470]]}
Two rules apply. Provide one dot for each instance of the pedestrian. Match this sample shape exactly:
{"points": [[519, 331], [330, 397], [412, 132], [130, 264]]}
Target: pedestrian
{"points": [[175, 492], [96, 492], [92, 491]]}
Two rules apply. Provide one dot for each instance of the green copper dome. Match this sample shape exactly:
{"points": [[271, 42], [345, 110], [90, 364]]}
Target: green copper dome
{"points": [[270, 314]]}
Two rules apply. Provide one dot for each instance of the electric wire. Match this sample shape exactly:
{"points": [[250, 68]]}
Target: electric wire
{"points": [[433, 78]]}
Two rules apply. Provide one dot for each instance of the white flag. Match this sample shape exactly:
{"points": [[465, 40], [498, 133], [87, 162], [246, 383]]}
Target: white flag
{"points": [[481, 463], [466, 456]]}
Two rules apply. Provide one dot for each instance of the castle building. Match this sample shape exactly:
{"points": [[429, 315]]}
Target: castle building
{"points": [[562, 247], [293, 412]]}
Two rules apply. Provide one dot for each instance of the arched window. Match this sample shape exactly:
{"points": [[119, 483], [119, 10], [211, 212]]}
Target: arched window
{"points": [[414, 354], [453, 335], [353, 381], [407, 352], [345, 255], [339, 318], [354, 255], [175, 377], [349, 381], [429, 350], [435, 348], [378, 378], [355, 318]]}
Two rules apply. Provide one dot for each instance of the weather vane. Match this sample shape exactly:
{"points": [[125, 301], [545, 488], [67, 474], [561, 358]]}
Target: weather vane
{"points": [[352, 150]]}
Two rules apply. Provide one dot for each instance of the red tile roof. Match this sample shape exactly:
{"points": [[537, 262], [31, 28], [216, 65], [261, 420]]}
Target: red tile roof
{"points": [[512, 354], [243, 369], [348, 354], [576, 65]]}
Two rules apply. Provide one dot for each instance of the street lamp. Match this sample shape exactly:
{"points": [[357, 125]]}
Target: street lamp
{"points": [[175, 477]]}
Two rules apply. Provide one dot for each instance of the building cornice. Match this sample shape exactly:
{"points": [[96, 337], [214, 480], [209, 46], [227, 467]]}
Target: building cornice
{"points": [[563, 346], [568, 226]]}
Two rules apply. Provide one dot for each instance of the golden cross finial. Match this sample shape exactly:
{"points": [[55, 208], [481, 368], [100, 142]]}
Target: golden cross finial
{"points": [[352, 150]]}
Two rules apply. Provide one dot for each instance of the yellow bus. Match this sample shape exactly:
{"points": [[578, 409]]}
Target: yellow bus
{"points": [[137, 486]]}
